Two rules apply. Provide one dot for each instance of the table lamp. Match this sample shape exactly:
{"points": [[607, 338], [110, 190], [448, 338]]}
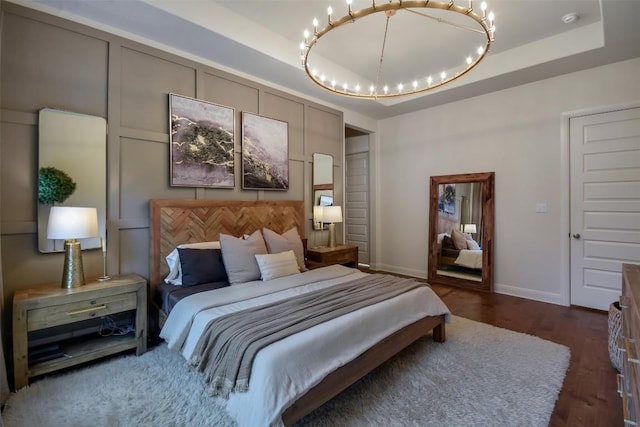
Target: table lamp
{"points": [[332, 214], [469, 229], [317, 217], [71, 223]]}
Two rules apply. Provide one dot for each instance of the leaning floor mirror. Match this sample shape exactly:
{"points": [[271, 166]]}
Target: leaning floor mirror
{"points": [[461, 230]]}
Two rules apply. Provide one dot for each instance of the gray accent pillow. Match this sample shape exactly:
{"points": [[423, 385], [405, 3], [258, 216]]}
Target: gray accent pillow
{"points": [[287, 241], [239, 256]]}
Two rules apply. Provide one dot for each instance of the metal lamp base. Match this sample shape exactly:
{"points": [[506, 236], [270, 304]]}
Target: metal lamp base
{"points": [[332, 236], [73, 273]]}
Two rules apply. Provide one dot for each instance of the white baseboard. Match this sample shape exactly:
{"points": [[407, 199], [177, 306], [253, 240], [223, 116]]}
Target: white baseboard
{"points": [[420, 274], [498, 288], [528, 294]]}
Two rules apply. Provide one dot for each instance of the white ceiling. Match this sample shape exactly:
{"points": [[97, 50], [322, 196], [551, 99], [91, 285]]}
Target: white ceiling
{"points": [[260, 39]]}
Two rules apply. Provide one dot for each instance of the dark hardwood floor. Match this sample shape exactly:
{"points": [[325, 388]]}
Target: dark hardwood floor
{"points": [[588, 396]]}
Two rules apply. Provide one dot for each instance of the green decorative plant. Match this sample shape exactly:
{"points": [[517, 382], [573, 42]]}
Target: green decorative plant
{"points": [[54, 185]]}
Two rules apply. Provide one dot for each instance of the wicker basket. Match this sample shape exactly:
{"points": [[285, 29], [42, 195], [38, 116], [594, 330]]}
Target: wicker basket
{"points": [[615, 329]]}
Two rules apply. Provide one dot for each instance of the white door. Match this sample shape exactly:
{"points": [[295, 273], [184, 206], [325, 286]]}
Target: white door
{"points": [[605, 204], [357, 209]]}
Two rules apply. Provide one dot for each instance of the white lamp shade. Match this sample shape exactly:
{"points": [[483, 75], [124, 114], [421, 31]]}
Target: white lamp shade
{"points": [[318, 212], [469, 228], [67, 222], [332, 214]]}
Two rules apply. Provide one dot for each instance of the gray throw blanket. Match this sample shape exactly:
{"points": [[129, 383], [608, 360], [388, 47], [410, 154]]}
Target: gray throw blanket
{"points": [[225, 352]]}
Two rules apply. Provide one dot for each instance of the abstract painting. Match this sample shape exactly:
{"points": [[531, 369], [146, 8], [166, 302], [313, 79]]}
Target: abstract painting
{"points": [[265, 153], [202, 143]]}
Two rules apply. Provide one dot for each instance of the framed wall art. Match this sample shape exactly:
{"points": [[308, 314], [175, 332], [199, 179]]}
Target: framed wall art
{"points": [[202, 143], [265, 153], [447, 198]]}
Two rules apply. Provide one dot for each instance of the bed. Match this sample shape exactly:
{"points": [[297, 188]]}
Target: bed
{"points": [[381, 332], [462, 254]]}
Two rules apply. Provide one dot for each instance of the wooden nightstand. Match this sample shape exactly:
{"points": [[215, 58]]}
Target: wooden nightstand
{"points": [[50, 306], [323, 256]]}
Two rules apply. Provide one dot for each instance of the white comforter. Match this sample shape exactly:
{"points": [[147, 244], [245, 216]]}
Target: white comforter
{"points": [[469, 258], [285, 370]]}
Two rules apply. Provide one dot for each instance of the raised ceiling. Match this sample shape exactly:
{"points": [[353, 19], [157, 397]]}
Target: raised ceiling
{"points": [[260, 38]]}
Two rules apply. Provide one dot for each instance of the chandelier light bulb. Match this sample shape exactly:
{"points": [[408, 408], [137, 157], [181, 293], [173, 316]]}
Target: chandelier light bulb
{"points": [[469, 60], [480, 50], [306, 35], [385, 88], [483, 7], [345, 87], [333, 83], [314, 72], [443, 75], [329, 12], [400, 86], [323, 78], [357, 88], [429, 80], [371, 88], [315, 26], [415, 84]]}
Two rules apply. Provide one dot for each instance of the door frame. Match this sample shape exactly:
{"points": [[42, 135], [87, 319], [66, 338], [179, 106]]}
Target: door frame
{"points": [[565, 188]]}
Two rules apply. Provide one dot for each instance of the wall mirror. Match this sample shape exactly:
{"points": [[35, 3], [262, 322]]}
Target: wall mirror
{"points": [[322, 186], [461, 230], [76, 145]]}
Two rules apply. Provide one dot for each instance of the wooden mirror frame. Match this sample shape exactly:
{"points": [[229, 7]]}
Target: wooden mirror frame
{"points": [[487, 179]]}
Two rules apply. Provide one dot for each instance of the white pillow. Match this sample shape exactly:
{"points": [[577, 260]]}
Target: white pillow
{"points": [[273, 266], [239, 256], [289, 240], [173, 260], [473, 245]]}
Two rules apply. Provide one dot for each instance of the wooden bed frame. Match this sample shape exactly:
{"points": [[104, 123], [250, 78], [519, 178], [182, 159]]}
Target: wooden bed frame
{"points": [[174, 222]]}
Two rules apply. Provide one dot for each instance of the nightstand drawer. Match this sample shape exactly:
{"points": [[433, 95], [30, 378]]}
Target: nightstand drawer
{"points": [[342, 254], [55, 315], [339, 258]]}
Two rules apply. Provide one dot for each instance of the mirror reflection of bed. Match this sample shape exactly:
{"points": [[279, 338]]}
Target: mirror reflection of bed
{"points": [[459, 220], [461, 230]]}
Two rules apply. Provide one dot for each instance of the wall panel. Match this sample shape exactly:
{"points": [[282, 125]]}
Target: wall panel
{"points": [[48, 61], [133, 248], [41, 68], [19, 162], [145, 82], [221, 90], [144, 175], [288, 110]]}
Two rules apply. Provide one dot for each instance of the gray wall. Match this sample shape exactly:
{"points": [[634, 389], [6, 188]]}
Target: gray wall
{"points": [[50, 62]]}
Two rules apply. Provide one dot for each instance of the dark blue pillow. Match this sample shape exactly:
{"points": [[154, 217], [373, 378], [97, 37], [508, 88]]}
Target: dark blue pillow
{"points": [[201, 266]]}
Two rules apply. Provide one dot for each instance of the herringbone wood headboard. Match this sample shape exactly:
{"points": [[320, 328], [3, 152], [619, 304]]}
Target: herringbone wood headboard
{"points": [[177, 221]]}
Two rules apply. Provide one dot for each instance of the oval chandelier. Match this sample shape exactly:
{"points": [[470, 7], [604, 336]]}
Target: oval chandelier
{"points": [[482, 23]]}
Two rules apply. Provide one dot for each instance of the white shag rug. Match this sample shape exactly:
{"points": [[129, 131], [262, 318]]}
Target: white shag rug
{"points": [[481, 376]]}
